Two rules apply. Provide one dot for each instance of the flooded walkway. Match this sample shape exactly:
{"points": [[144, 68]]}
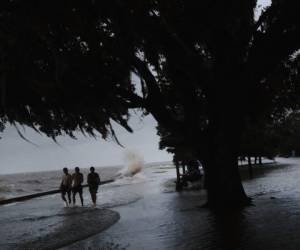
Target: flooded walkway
{"points": [[169, 220]]}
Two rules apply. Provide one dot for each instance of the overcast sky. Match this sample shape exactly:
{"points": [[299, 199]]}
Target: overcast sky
{"points": [[17, 155]]}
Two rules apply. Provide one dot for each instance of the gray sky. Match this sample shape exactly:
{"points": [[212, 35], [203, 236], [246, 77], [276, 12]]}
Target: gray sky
{"points": [[17, 155]]}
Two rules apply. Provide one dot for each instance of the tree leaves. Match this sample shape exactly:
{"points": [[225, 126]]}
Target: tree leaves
{"points": [[67, 65]]}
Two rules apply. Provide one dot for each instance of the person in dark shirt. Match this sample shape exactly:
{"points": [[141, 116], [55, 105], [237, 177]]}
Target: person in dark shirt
{"points": [[93, 181], [77, 179]]}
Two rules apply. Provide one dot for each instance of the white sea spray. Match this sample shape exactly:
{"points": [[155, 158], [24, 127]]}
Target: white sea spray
{"points": [[134, 163]]}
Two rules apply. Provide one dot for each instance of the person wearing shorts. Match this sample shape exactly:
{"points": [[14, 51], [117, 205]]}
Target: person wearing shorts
{"points": [[93, 181], [77, 179], [66, 186]]}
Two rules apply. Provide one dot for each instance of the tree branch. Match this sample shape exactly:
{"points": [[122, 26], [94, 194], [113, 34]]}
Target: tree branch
{"points": [[155, 102]]}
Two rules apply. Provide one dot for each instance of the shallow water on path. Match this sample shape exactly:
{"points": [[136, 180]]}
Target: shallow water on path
{"points": [[170, 220], [153, 216]]}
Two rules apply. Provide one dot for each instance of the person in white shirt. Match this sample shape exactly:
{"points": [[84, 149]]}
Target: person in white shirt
{"points": [[66, 186]]}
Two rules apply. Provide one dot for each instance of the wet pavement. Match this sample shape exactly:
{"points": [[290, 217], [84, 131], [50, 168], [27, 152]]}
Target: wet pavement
{"points": [[148, 214], [167, 220]]}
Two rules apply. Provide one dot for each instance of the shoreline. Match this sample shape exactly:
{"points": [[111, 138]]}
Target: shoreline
{"points": [[78, 229]]}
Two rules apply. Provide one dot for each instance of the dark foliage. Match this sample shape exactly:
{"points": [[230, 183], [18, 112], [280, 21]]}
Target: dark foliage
{"points": [[62, 69]]}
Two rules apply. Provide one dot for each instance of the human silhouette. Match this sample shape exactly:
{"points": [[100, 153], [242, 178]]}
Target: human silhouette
{"points": [[66, 186], [93, 181], [77, 179]]}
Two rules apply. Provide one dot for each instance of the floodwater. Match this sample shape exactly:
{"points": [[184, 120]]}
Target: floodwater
{"points": [[44, 223], [144, 212], [168, 220]]}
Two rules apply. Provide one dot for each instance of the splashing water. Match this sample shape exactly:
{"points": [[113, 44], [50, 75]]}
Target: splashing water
{"points": [[133, 165]]}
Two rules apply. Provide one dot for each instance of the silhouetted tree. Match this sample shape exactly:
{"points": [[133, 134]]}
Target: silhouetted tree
{"points": [[206, 69], [252, 78], [288, 132], [260, 141]]}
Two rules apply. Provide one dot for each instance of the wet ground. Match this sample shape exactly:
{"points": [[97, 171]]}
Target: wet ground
{"points": [[153, 216], [44, 223], [169, 220]]}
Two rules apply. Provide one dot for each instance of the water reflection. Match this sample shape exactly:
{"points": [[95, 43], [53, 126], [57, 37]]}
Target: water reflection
{"points": [[68, 226], [194, 227], [177, 221]]}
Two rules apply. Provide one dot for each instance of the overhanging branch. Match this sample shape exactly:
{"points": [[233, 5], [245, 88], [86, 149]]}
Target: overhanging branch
{"points": [[154, 102]]}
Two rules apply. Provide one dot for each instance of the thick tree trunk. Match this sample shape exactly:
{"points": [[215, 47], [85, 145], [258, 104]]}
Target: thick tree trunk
{"points": [[249, 161], [260, 160], [224, 132], [250, 169], [183, 169], [178, 182], [223, 182]]}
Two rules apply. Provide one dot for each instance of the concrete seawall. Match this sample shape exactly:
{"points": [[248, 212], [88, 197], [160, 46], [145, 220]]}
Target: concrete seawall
{"points": [[35, 195]]}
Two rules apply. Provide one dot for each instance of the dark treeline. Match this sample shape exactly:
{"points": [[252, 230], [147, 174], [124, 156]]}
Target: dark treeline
{"points": [[219, 83]]}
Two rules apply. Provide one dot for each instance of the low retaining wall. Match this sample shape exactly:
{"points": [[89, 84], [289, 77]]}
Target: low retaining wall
{"points": [[31, 196]]}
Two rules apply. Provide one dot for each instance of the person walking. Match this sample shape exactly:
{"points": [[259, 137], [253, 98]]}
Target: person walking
{"points": [[93, 181], [66, 186], [77, 179]]}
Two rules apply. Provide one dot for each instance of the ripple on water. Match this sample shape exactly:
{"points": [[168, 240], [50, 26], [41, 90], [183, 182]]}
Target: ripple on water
{"points": [[77, 224]]}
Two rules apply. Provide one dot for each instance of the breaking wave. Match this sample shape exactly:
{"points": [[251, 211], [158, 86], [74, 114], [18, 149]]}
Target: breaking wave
{"points": [[133, 165]]}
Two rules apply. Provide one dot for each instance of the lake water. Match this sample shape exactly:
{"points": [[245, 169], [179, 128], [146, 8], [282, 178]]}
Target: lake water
{"points": [[12, 185]]}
